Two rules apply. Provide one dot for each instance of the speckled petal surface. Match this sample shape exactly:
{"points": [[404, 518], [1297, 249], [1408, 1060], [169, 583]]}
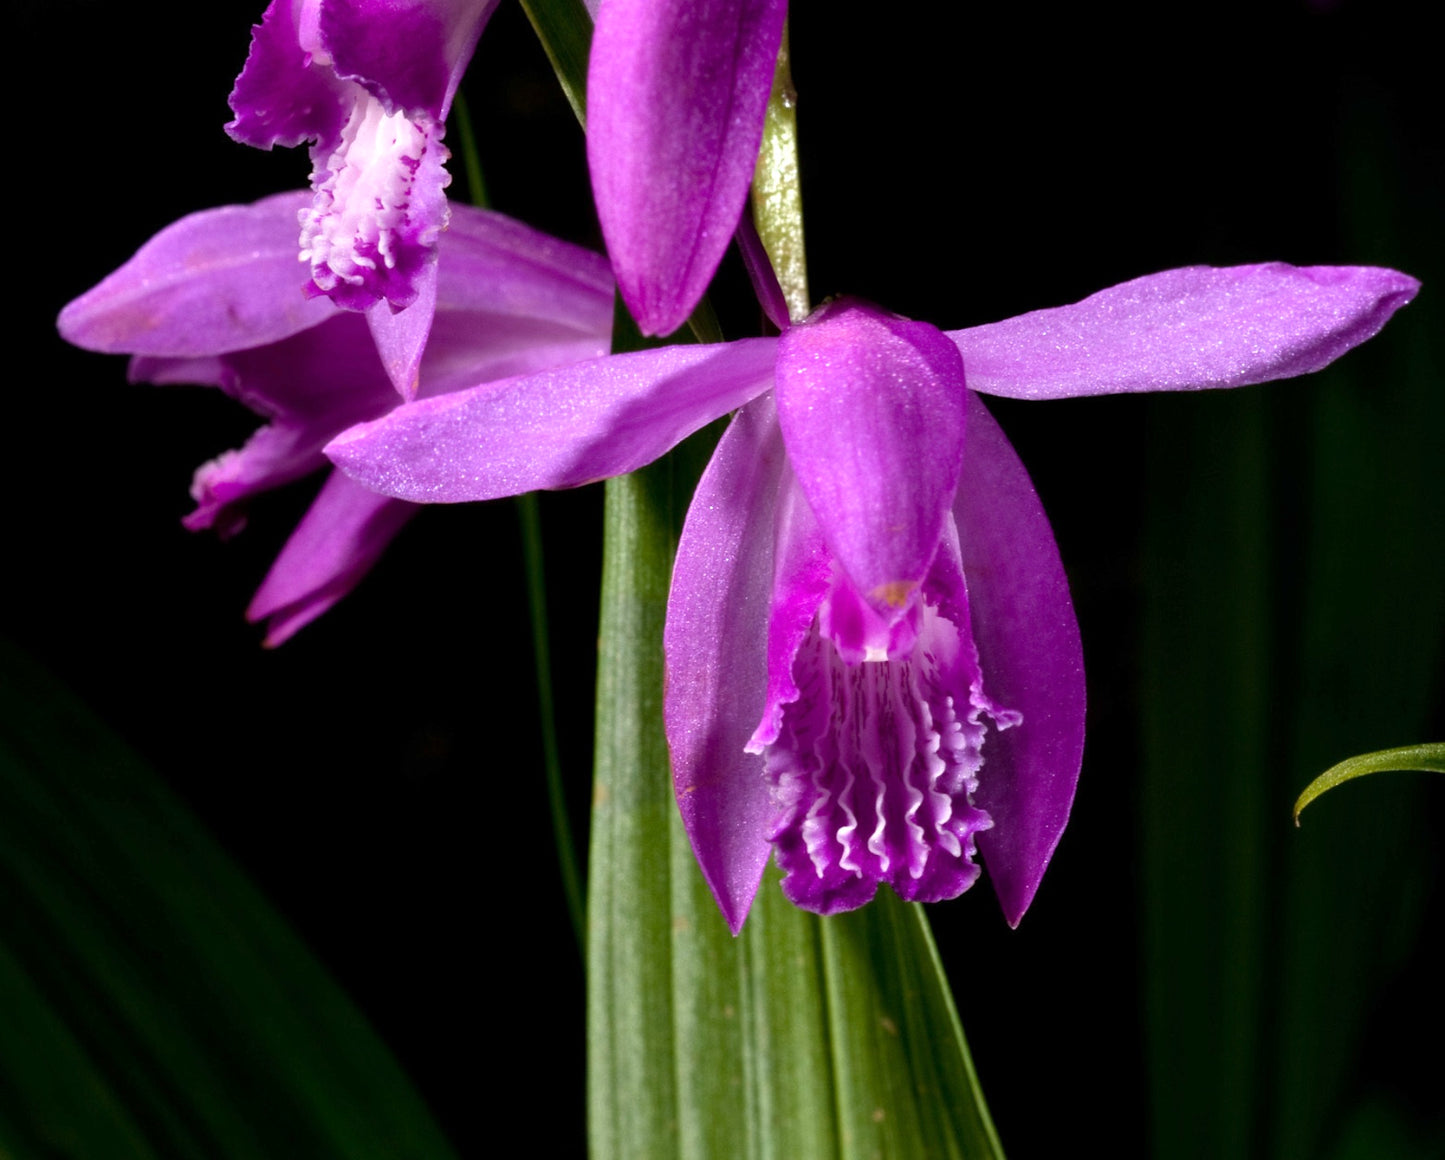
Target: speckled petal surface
{"points": [[872, 410], [1030, 657], [279, 99], [1190, 329], [215, 281], [715, 642], [560, 428], [676, 93], [409, 53]]}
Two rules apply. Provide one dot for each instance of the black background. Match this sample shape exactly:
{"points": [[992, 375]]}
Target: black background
{"points": [[378, 775]]}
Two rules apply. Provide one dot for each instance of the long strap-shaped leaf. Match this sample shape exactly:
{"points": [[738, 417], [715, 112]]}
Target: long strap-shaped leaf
{"points": [[151, 1002]]}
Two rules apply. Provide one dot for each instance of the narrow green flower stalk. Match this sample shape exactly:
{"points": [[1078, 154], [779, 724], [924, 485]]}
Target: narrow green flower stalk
{"points": [[529, 520]]}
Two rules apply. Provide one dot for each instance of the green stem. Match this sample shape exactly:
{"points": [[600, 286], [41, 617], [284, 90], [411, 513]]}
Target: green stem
{"points": [[530, 516]]}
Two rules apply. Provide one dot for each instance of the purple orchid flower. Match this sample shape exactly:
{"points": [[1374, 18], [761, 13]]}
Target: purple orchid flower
{"points": [[212, 299], [676, 95], [368, 83], [873, 663]]}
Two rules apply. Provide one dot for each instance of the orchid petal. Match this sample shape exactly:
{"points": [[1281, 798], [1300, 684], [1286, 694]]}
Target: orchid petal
{"points": [[379, 208], [401, 335], [410, 54], [872, 410], [876, 763], [495, 265], [215, 281], [717, 658], [279, 99], [336, 543], [676, 90], [1029, 653], [367, 83], [559, 428], [508, 301], [1190, 329], [802, 572], [309, 386]]}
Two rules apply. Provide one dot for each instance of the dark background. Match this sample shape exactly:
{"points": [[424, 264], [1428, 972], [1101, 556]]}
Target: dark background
{"points": [[379, 776]]}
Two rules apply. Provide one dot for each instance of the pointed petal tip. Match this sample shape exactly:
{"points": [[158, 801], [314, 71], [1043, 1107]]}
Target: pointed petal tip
{"points": [[1014, 899], [735, 915], [1198, 327]]}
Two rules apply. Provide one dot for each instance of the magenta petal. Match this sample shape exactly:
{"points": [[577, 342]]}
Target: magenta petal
{"points": [[401, 335], [309, 386], [1187, 329], [215, 281], [510, 301], [408, 53], [496, 265], [872, 410], [717, 664], [338, 540], [875, 763], [380, 206], [802, 574], [676, 93], [1029, 653], [559, 428], [279, 99]]}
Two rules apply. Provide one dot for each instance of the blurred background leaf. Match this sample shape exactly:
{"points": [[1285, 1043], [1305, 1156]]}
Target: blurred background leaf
{"points": [[1295, 614], [152, 1004]]}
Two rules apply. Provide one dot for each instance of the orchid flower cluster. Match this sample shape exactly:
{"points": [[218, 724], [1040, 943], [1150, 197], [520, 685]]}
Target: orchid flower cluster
{"points": [[874, 669]]}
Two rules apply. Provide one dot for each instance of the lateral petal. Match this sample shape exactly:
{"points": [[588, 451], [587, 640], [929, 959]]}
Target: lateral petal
{"points": [[716, 647], [279, 99], [872, 411], [676, 92], [410, 54], [336, 543], [1030, 657], [216, 281], [1190, 329], [559, 428]]}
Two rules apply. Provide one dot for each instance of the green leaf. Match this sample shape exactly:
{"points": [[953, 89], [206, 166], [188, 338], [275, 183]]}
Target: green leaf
{"points": [[565, 29], [1293, 612], [151, 1002], [1425, 758], [804, 1038]]}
